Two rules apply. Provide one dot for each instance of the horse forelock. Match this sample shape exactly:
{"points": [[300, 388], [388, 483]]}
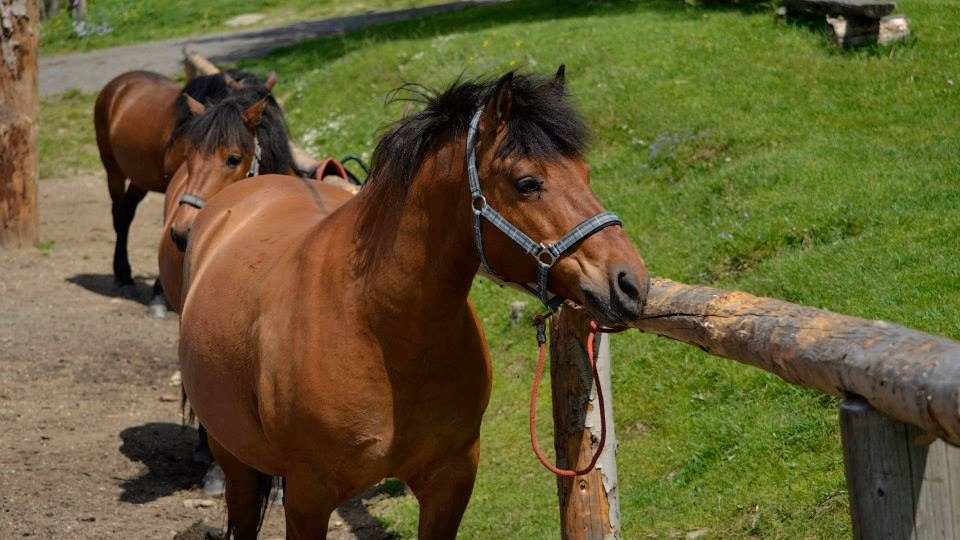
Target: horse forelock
{"points": [[221, 125], [542, 125]]}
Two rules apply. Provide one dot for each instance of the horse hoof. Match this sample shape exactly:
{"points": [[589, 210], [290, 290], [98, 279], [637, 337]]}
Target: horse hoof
{"points": [[128, 291], [276, 496], [213, 481], [158, 307]]}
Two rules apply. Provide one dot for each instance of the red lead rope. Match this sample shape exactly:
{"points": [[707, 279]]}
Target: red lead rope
{"points": [[540, 323]]}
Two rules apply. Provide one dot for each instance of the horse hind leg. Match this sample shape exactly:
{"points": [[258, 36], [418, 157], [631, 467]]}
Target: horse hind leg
{"points": [[247, 494], [123, 211]]}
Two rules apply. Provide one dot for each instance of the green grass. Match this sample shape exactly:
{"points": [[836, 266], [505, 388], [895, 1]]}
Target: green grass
{"points": [[133, 21], [67, 141], [740, 152]]}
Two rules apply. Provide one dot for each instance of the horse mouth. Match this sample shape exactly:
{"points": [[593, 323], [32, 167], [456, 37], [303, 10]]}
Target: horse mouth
{"points": [[608, 310]]}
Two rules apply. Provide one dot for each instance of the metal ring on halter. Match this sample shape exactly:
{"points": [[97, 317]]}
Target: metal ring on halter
{"points": [[477, 210], [192, 200]]}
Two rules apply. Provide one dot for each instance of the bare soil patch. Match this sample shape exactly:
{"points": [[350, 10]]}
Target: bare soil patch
{"points": [[91, 441]]}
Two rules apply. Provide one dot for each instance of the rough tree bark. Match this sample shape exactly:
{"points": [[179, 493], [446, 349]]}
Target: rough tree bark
{"points": [[907, 375], [19, 40]]}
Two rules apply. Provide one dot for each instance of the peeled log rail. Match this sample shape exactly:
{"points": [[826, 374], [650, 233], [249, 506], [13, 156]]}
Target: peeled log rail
{"points": [[907, 375]]}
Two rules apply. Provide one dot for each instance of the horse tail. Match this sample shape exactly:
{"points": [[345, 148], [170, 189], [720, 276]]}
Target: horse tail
{"points": [[264, 487]]}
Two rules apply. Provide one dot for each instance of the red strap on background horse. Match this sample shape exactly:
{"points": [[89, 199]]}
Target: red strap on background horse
{"points": [[330, 167], [540, 323]]}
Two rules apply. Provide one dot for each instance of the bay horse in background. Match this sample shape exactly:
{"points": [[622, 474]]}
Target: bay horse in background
{"points": [[136, 119], [242, 136], [332, 342]]}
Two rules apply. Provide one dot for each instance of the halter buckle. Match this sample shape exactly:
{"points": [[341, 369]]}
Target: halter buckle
{"points": [[473, 204], [545, 257]]}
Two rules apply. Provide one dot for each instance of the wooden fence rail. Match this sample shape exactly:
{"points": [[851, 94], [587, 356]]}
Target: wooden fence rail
{"points": [[901, 390]]}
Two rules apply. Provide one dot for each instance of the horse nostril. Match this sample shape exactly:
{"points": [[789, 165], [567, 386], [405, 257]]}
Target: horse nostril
{"points": [[628, 286]]}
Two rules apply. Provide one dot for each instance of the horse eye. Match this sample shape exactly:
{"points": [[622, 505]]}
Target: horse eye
{"points": [[233, 161], [528, 185]]}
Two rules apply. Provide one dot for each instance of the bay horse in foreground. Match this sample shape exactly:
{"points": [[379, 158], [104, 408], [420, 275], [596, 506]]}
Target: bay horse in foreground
{"points": [[331, 341], [137, 118]]}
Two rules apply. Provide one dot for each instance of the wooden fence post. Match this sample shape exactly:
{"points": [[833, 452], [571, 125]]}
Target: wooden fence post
{"points": [[589, 504], [19, 105], [899, 487]]}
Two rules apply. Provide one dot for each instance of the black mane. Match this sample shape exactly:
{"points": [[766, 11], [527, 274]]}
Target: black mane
{"points": [[221, 125], [209, 90], [542, 124]]}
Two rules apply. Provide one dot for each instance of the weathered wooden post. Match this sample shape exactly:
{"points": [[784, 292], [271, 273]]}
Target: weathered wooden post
{"points": [[589, 504], [900, 487], [19, 105]]}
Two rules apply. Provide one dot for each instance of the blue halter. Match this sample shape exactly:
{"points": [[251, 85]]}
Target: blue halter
{"points": [[545, 254]]}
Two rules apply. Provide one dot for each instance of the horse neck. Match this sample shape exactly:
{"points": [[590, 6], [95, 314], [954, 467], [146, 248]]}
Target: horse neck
{"points": [[422, 276]]}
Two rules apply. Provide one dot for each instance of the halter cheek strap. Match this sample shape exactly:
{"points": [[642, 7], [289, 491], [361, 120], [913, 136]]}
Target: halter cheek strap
{"points": [[257, 155], [198, 202], [545, 254]]}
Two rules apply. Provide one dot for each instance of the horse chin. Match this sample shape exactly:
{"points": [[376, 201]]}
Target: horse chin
{"points": [[603, 309]]}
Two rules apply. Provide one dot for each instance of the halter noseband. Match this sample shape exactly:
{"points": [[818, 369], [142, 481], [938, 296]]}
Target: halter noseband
{"points": [[545, 254], [199, 202]]}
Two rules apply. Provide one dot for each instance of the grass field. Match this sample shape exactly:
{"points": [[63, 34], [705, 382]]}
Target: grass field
{"points": [[741, 152], [133, 21]]}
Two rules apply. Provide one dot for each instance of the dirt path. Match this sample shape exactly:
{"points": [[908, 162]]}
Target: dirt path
{"points": [[89, 71], [91, 442]]}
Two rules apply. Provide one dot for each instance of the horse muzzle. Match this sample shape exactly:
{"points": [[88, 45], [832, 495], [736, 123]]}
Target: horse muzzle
{"points": [[620, 300], [179, 238]]}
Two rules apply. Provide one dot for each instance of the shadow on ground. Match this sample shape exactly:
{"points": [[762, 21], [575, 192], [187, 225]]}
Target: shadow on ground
{"points": [[104, 285], [166, 450]]}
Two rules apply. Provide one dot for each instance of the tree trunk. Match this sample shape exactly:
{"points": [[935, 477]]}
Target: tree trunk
{"points": [[19, 44]]}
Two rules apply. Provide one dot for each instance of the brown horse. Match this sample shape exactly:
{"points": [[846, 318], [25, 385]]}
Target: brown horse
{"points": [[136, 118], [331, 341], [243, 135]]}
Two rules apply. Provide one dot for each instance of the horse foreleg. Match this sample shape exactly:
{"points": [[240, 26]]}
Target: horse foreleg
{"points": [[247, 494], [308, 502], [123, 211], [443, 490]]}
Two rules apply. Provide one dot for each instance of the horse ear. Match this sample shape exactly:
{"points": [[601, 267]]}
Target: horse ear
{"points": [[253, 114], [503, 98], [271, 80], [196, 108], [560, 78], [231, 82]]}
